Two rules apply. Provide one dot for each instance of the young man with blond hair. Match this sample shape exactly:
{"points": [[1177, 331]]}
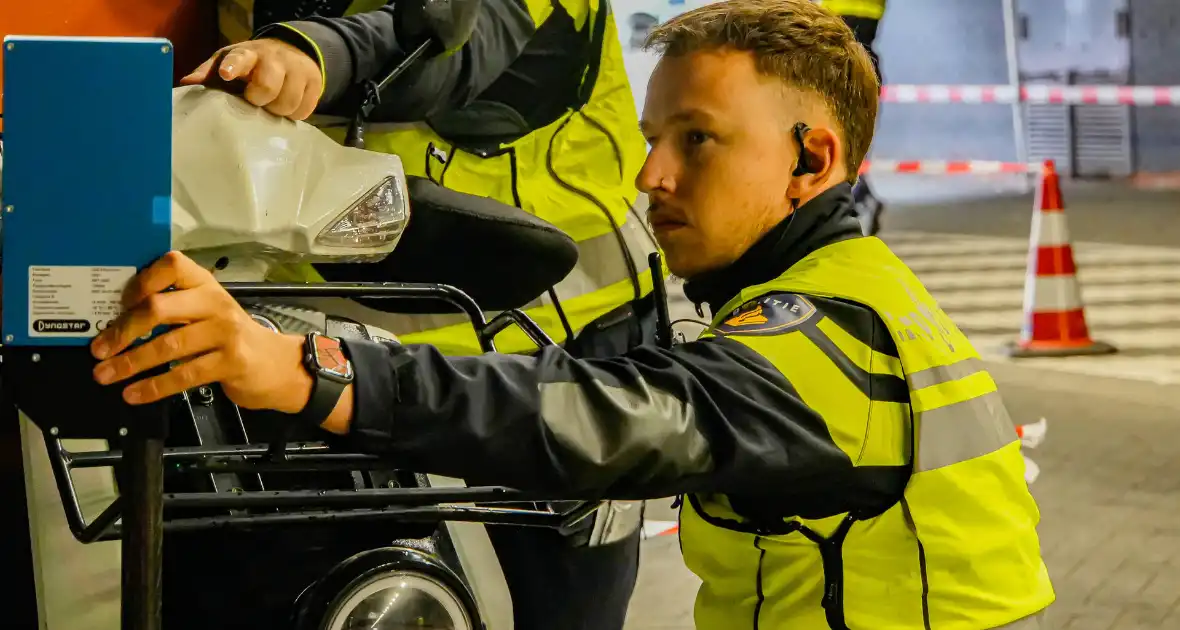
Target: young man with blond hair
{"points": [[846, 459]]}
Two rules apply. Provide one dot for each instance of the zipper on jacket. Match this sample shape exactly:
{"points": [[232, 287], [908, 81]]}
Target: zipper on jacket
{"points": [[515, 181], [905, 509], [925, 587], [831, 553], [831, 550], [758, 581]]}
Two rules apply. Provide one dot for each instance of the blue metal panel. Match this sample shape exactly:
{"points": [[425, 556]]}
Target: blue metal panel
{"points": [[87, 179]]}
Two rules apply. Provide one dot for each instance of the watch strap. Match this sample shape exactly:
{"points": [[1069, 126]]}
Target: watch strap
{"points": [[325, 392]]}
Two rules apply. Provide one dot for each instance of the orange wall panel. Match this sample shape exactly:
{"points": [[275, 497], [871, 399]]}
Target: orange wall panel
{"points": [[191, 25]]}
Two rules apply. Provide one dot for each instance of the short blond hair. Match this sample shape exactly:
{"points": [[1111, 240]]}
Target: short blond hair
{"points": [[797, 41]]}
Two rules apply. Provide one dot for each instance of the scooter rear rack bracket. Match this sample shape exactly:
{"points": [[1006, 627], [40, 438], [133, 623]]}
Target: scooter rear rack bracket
{"points": [[33, 380]]}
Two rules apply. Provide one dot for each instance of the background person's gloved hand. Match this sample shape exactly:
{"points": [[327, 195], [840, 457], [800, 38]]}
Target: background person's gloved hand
{"points": [[278, 76]]}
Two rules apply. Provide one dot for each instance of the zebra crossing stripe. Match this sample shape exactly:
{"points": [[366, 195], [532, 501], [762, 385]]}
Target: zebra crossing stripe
{"points": [[1131, 294], [996, 298], [1099, 318], [1090, 276]]}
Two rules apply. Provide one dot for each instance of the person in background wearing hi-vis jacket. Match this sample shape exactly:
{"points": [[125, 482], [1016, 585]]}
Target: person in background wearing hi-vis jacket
{"points": [[845, 457], [864, 17], [535, 111]]}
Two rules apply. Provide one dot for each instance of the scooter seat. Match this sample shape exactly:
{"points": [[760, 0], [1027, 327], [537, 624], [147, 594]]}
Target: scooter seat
{"points": [[502, 256]]}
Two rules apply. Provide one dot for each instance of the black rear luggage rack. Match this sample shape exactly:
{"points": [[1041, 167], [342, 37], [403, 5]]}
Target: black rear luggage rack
{"points": [[34, 380]]}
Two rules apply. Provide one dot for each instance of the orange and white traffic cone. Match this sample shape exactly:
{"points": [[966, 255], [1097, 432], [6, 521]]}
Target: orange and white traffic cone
{"points": [[1054, 316]]}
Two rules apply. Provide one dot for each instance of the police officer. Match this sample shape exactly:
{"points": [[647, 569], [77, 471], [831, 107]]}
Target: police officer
{"points": [[535, 111], [863, 17], [847, 460]]}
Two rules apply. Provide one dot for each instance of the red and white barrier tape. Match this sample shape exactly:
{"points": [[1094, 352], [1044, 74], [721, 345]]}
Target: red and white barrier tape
{"points": [[943, 167], [653, 529], [1158, 95]]}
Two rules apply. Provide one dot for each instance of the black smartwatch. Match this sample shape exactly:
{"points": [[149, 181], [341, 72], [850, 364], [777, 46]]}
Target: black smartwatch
{"points": [[331, 372]]}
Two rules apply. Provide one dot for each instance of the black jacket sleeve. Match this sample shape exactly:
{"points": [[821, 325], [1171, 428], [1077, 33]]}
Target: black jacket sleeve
{"points": [[362, 46], [706, 416]]}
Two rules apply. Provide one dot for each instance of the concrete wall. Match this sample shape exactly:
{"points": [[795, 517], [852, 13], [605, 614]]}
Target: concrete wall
{"points": [[1155, 49], [944, 41], [921, 41], [962, 42]]}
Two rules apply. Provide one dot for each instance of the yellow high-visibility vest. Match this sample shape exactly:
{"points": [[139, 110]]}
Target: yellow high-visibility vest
{"points": [[873, 9], [958, 551], [577, 173]]}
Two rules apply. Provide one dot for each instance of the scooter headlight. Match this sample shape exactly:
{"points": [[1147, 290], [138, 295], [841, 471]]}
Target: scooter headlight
{"points": [[376, 220], [400, 600]]}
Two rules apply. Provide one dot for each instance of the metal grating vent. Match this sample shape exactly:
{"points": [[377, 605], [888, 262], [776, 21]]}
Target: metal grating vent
{"points": [[1102, 141], [1102, 133], [1049, 134], [1084, 140]]}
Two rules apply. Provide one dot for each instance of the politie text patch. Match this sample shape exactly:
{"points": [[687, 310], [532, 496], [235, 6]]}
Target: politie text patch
{"points": [[771, 314]]}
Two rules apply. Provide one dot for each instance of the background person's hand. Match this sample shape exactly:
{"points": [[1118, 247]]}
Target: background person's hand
{"points": [[215, 339], [279, 77]]}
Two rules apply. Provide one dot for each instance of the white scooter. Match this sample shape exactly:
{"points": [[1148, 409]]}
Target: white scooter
{"points": [[262, 524]]}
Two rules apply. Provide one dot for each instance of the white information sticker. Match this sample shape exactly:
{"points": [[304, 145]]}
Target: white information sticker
{"points": [[75, 301]]}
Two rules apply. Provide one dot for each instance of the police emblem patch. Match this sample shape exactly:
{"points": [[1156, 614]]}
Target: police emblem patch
{"points": [[770, 314]]}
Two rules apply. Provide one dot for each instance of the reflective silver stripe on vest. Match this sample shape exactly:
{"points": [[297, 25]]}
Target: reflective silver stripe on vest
{"points": [[600, 264], [945, 373], [601, 261], [962, 431]]}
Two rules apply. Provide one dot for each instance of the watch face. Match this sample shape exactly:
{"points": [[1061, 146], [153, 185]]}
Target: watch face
{"points": [[330, 358]]}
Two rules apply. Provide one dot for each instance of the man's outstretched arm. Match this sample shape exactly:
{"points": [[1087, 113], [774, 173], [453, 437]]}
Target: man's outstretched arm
{"points": [[707, 416], [358, 47]]}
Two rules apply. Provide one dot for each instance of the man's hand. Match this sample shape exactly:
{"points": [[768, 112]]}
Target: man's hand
{"points": [[215, 340], [278, 76]]}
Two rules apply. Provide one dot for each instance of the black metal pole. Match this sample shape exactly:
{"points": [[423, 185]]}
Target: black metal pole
{"points": [[143, 532], [21, 609]]}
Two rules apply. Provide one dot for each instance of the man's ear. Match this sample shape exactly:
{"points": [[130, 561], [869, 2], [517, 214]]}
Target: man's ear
{"points": [[822, 164]]}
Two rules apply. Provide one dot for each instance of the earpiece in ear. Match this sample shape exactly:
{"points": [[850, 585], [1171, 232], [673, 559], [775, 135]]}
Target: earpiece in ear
{"points": [[804, 165]]}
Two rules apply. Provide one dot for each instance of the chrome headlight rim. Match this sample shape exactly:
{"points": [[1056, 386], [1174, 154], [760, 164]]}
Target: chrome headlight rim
{"points": [[264, 321], [351, 599], [317, 606]]}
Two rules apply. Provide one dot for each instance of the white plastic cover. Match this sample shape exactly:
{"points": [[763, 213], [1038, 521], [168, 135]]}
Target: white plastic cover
{"points": [[247, 183]]}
